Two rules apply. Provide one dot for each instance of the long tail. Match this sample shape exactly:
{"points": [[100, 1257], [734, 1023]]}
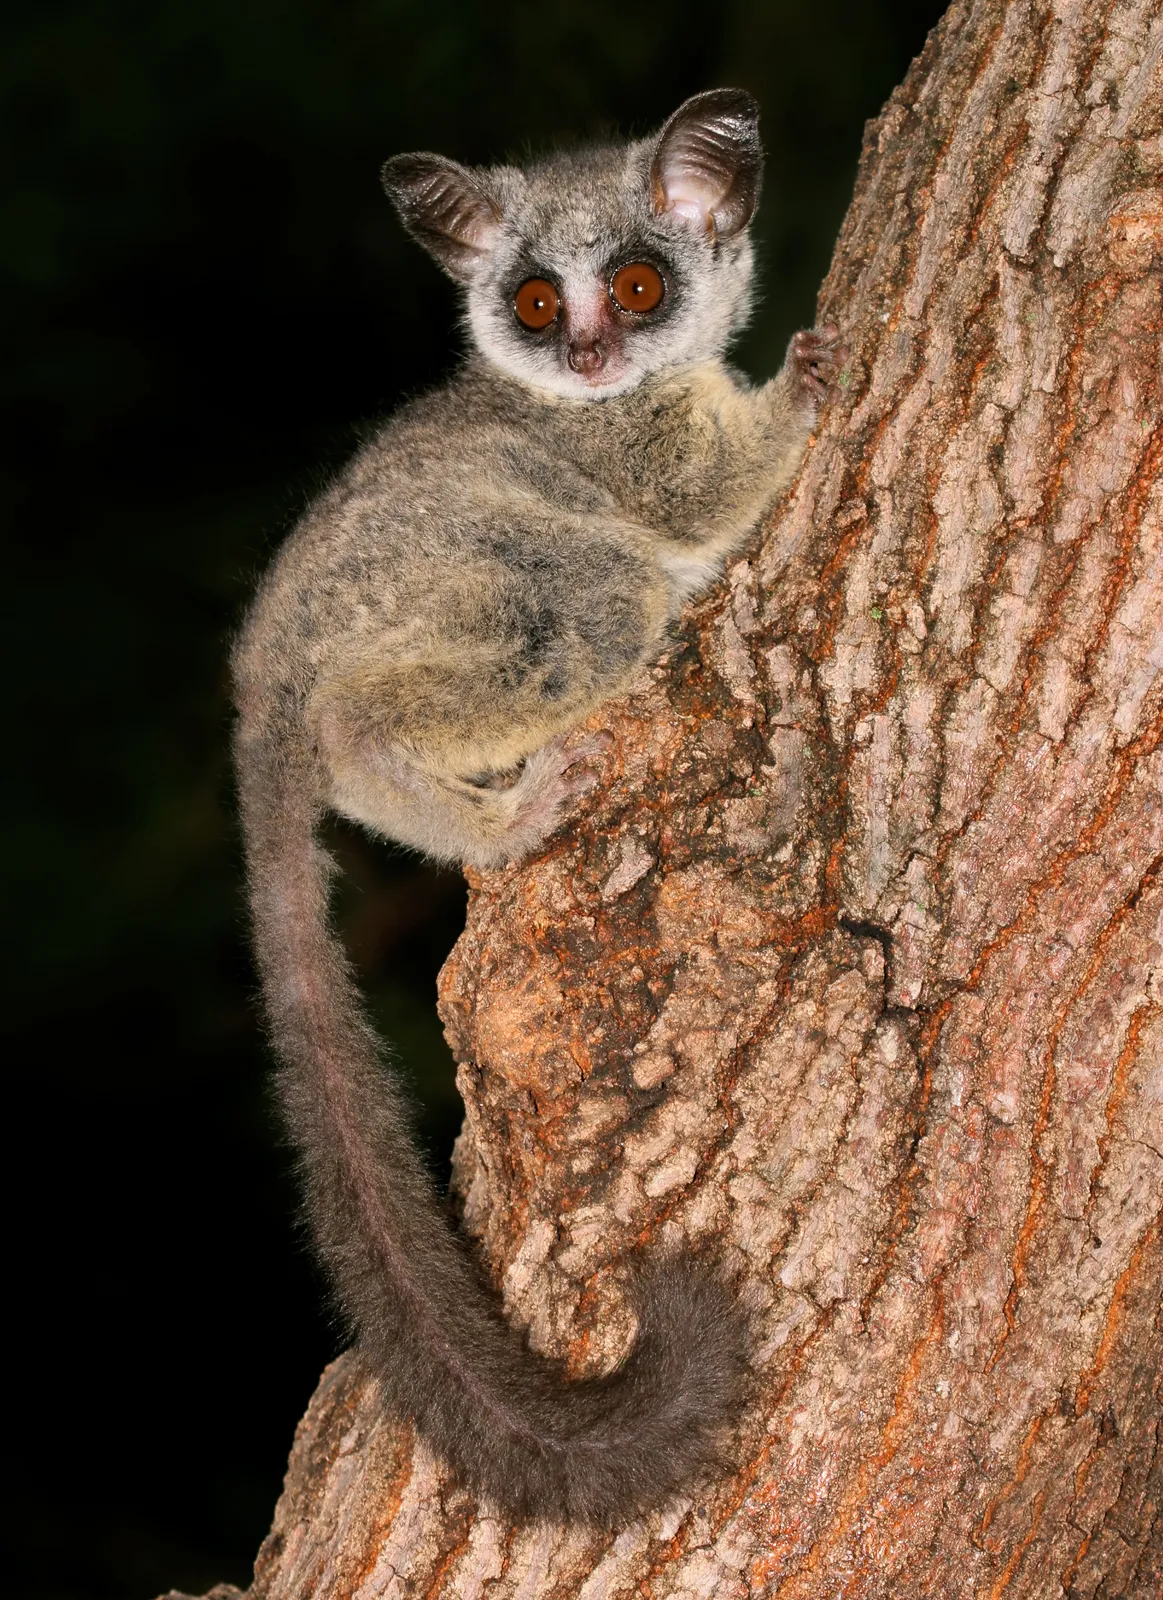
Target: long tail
{"points": [[507, 1421]]}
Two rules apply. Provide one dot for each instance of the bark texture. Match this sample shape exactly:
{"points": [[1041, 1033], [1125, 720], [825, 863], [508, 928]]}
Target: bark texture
{"points": [[856, 963]]}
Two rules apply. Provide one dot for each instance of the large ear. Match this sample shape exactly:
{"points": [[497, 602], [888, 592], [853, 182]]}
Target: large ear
{"points": [[445, 208], [708, 161]]}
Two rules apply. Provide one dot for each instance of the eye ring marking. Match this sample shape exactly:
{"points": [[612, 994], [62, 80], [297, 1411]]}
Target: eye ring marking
{"points": [[536, 304], [637, 287]]}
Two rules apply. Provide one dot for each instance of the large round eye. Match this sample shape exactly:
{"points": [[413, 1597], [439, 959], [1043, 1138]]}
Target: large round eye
{"points": [[536, 303], [637, 286]]}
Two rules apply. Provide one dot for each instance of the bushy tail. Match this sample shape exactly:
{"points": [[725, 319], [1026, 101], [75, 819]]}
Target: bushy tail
{"points": [[537, 1445]]}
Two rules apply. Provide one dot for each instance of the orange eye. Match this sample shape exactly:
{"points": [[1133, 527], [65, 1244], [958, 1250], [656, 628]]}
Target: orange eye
{"points": [[536, 303], [637, 287]]}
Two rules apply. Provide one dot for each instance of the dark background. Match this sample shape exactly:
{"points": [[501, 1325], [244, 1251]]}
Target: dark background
{"points": [[205, 295]]}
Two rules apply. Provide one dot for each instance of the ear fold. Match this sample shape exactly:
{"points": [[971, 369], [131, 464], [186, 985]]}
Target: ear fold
{"points": [[708, 161], [444, 208]]}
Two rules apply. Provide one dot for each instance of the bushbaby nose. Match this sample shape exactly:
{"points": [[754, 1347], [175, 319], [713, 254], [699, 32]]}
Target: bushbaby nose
{"points": [[586, 356]]}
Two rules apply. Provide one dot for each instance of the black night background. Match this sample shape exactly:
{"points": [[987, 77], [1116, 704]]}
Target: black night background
{"points": [[205, 297]]}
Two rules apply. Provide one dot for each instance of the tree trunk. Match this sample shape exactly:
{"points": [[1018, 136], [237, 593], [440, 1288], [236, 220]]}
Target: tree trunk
{"points": [[856, 964]]}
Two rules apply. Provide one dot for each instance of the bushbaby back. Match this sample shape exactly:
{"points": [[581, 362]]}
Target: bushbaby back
{"points": [[495, 563]]}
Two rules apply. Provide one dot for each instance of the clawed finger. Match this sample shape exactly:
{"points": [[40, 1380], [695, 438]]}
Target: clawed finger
{"points": [[589, 748], [580, 780]]}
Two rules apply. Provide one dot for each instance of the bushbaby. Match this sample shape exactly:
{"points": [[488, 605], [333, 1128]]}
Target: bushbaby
{"points": [[498, 560]]}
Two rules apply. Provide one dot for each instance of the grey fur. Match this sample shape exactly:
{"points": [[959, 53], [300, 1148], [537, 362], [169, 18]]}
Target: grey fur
{"points": [[493, 565]]}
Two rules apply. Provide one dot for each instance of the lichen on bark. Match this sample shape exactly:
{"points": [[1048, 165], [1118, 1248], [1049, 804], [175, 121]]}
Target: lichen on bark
{"points": [[855, 965]]}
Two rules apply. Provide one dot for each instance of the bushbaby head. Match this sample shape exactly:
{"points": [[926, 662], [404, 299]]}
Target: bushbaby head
{"points": [[587, 271]]}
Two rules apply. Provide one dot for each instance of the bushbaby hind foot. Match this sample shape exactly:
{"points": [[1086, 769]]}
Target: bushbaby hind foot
{"points": [[579, 774], [552, 776]]}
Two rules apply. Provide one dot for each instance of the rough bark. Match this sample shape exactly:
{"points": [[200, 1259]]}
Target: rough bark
{"points": [[856, 964]]}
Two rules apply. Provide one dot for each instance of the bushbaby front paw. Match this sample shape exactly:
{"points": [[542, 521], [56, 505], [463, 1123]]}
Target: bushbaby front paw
{"points": [[817, 355]]}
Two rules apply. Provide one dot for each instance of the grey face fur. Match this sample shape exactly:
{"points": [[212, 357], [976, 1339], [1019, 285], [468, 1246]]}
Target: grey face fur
{"points": [[495, 563], [680, 202]]}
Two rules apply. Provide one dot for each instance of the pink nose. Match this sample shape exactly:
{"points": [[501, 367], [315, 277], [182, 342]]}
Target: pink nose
{"points": [[586, 356]]}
